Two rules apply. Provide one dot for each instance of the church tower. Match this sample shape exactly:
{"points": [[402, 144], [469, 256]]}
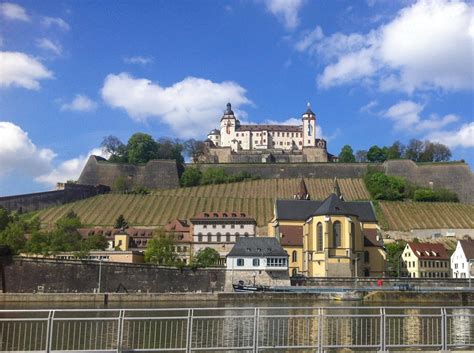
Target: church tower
{"points": [[309, 127], [228, 122]]}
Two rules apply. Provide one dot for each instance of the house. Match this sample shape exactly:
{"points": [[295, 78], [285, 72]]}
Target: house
{"points": [[258, 260], [128, 256], [425, 260], [329, 238], [462, 259], [220, 230]]}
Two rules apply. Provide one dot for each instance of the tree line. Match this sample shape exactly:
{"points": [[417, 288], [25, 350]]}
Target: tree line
{"points": [[416, 150]]}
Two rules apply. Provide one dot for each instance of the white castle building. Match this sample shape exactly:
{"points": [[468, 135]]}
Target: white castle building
{"points": [[235, 138]]}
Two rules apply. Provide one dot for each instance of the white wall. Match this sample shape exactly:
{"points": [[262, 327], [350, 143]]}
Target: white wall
{"points": [[223, 229], [459, 263], [248, 263]]}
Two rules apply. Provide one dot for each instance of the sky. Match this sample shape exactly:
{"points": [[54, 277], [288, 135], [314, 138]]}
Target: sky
{"points": [[375, 71]]}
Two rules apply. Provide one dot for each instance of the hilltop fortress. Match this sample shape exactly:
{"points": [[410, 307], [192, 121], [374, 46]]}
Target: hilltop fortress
{"points": [[239, 143]]}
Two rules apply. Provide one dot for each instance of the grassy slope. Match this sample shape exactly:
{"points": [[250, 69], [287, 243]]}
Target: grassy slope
{"points": [[256, 198]]}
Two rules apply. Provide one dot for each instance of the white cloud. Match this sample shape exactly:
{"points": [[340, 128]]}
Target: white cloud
{"points": [[48, 45], [19, 69], [368, 107], [463, 137], [70, 169], [13, 11], [406, 116], [18, 153], [285, 10], [56, 21], [142, 60], [80, 103], [190, 107], [427, 45]]}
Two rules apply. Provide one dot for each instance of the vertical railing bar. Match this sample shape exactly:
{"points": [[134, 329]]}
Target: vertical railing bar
{"points": [[320, 330], [255, 330], [443, 329], [189, 332], [49, 331], [120, 328]]}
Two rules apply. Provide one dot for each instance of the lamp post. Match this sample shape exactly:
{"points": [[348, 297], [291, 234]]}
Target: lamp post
{"points": [[356, 273], [100, 275]]}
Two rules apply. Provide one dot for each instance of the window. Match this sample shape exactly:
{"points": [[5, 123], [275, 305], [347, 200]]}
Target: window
{"points": [[223, 226], [240, 262], [353, 234], [199, 238], [366, 257], [256, 262], [241, 226], [219, 238], [214, 226], [319, 245], [336, 233], [232, 226], [227, 238], [205, 226], [294, 256]]}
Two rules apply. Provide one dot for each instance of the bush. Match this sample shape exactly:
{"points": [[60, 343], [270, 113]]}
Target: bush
{"points": [[191, 177], [436, 195], [385, 187]]}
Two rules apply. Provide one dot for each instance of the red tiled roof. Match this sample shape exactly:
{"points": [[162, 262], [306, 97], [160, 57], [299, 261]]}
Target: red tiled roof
{"points": [[429, 251], [177, 225], [468, 248], [370, 238], [291, 235], [278, 128], [222, 216]]}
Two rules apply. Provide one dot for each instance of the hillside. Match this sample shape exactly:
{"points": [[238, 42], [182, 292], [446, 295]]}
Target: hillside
{"points": [[255, 198]]}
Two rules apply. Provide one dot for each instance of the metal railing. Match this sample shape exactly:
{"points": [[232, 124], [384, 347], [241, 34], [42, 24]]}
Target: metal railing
{"points": [[264, 329]]}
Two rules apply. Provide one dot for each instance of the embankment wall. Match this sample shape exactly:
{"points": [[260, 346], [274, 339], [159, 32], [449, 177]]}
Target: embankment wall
{"points": [[40, 200], [26, 275]]}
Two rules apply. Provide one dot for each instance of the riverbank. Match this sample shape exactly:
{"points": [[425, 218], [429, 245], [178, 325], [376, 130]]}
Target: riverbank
{"points": [[454, 297]]}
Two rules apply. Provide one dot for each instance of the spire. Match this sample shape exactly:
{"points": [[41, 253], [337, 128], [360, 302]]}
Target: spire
{"points": [[229, 111], [337, 189], [308, 114], [302, 194]]}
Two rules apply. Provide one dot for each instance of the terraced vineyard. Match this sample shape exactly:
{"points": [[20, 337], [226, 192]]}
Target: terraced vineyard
{"points": [[255, 198], [404, 216]]}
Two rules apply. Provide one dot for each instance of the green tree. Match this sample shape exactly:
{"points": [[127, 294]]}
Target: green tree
{"points": [[347, 155], [160, 250], [414, 150], [396, 150], [4, 218], [206, 257], [214, 176], [38, 243], [121, 222], [394, 251], [13, 236], [385, 187], [141, 148], [95, 242], [168, 149], [115, 148], [377, 154], [191, 177], [69, 223]]}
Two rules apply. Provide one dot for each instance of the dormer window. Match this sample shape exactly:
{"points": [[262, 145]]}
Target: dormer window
{"points": [[215, 215], [242, 215], [234, 215], [418, 253], [427, 253], [224, 215], [206, 214]]}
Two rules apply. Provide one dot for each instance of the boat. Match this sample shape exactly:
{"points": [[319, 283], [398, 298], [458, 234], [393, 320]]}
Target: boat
{"points": [[242, 287]]}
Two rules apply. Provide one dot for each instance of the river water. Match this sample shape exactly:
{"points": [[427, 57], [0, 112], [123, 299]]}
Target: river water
{"points": [[290, 323]]}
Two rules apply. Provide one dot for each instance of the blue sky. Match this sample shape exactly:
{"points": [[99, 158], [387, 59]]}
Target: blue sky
{"points": [[376, 71]]}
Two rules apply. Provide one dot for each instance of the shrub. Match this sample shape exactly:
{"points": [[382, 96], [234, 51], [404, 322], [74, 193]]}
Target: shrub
{"points": [[436, 195], [385, 187]]}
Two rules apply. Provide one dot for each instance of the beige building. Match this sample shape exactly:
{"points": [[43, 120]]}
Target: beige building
{"points": [[425, 260], [330, 238], [127, 256]]}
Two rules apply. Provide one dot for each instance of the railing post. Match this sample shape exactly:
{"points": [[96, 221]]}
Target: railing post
{"points": [[189, 333], [444, 330], [383, 336], [49, 331], [320, 330], [255, 330], [120, 331]]}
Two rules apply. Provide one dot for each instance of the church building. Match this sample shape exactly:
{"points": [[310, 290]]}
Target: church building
{"points": [[329, 238], [236, 142]]}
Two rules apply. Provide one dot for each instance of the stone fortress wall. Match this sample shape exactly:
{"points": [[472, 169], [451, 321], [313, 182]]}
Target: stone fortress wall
{"points": [[40, 200], [156, 174]]}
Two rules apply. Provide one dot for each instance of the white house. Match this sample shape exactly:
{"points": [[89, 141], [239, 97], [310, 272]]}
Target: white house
{"points": [[461, 259]]}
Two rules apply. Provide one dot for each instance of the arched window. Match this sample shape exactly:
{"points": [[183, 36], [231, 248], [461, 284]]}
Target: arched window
{"points": [[336, 234], [353, 235], [294, 256], [319, 230]]}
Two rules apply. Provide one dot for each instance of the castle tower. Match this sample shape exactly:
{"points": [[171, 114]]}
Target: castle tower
{"points": [[303, 193], [309, 127], [228, 122]]}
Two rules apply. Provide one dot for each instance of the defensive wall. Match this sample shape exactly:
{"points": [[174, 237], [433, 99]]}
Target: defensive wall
{"points": [[40, 200], [156, 174], [26, 275]]}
